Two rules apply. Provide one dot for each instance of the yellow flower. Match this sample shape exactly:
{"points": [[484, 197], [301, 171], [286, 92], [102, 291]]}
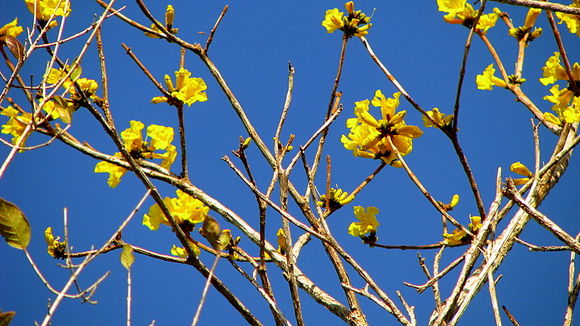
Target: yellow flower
{"points": [[187, 90], [169, 17], [455, 238], [54, 247], [180, 252], [367, 221], [281, 239], [459, 237], [451, 205], [566, 105], [186, 210], [443, 120], [553, 70], [115, 172], [572, 21], [487, 79], [133, 138], [59, 108], [333, 20], [161, 138], [16, 124], [460, 12], [475, 224], [355, 24], [336, 199], [521, 169], [368, 136], [11, 29], [45, 9]]}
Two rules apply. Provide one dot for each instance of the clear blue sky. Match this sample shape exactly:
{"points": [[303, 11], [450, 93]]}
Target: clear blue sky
{"points": [[252, 48]]}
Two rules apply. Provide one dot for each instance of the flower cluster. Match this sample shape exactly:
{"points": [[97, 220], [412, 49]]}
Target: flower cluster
{"points": [[16, 124], [45, 10], [355, 24], [186, 210], [526, 29], [459, 237], [521, 169], [77, 89], [461, 12], [367, 222], [336, 199], [566, 103], [186, 89], [372, 138], [160, 140], [442, 120], [572, 21]]}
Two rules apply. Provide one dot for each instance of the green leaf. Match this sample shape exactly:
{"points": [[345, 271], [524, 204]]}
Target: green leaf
{"points": [[14, 226], [6, 317], [127, 257]]}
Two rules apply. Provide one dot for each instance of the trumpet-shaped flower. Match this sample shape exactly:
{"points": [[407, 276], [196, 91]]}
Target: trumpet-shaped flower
{"points": [[115, 172], [336, 199], [553, 71], [367, 221], [281, 239], [160, 138], [461, 12], [459, 237], [10, 29], [442, 120], [369, 137], [186, 89], [186, 210], [521, 169], [16, 124], [566, 105], [572, 21], [356, 23], [169, 17], [45, 9], [448, 207], [487, 79]]}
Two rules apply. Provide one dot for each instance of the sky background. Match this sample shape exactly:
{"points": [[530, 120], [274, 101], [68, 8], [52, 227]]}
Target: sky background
{"points": [[252, 48]]}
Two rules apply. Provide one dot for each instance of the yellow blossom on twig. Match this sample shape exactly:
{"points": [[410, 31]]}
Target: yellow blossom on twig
{"points": [[461, 12], [442, 120], [10, 29], [487, 79], [160, 138], [186, 210], [572, 21], [521, 169], [186, 89], [55, 248], [356, 23], [367, 221], [45, 9], [336, 199], [368, 136]]}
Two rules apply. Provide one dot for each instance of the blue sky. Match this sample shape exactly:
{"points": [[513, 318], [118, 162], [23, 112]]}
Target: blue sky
{"points": [[252, 48]]}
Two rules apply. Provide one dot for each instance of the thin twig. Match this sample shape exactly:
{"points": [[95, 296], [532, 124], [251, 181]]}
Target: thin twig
{"points": [[510, 316], [215, 26], [543, 5]]}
